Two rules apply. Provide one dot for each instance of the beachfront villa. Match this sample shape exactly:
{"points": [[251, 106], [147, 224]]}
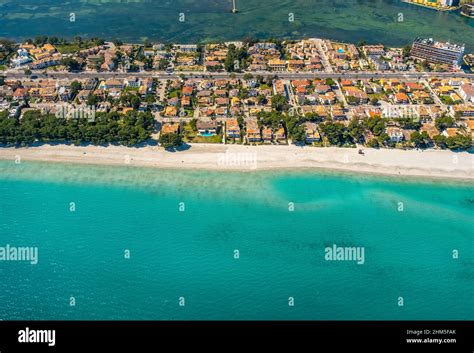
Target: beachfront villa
{"points": [[207, 128], [311, 133], [232, 129], [170, 128]]}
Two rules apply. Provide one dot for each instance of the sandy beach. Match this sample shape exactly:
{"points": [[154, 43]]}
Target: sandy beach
{"points": [[428, 163]]}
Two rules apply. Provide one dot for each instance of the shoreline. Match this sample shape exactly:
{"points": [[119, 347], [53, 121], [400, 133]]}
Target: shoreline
{"points": [[432, 164]]}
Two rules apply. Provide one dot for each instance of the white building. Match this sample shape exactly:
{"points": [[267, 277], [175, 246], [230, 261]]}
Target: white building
{"points": [[466, 92], [21, 59], [395, 134], [187, 48]]}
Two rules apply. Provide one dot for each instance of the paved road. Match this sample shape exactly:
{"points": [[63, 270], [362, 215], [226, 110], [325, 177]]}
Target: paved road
{"points": [[282, 75]]}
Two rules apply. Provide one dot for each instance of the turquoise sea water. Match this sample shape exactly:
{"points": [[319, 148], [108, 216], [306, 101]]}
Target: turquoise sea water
{"points": [[391, 22], [190, 254]]}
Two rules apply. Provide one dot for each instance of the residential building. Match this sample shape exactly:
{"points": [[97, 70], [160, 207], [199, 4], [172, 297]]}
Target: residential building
{"points": [[451, 132], [280, 136], [277, 65], [186, 48], [395, 134], [462, 110], [466, 92], [437, 52], [253, 131], [207, 128], [170, 128], [379, 64], [232, 128], [401, 98], [355, 95], [132, 82], [311, 132], [111, 83], [267, 134], [376, 50], [430, 129]]}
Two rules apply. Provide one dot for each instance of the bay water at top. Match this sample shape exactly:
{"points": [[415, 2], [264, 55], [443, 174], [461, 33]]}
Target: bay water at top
{"points": [[391, 22]]}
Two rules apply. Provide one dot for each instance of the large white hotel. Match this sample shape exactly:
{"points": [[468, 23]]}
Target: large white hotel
{"points": [[437, 52]]}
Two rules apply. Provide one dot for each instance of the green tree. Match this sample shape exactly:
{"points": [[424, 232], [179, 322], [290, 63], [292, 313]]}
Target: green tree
{"points": [[440, 141], [75, 86], [376, 125], [298, 134], [92, 100], [336, 133], [356, 130], [374, 143], [113, 127], [420, 140], [193, 124], [235, 59], [279, 103], [406, 51], [330, 82], [41, 40], [374, 100], [443, 122], [163, 64], [150, 98], [170, 140], [71, 64], [383, 139], [459, 142], [425, 65], [409, 123], [261, 99], [248, 76]]}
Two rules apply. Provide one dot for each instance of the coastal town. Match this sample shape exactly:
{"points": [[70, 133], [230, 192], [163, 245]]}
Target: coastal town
{"points": [[314, 92]]}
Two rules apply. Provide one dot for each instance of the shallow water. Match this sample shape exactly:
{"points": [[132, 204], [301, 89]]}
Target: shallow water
{"points": [[190, 253]]}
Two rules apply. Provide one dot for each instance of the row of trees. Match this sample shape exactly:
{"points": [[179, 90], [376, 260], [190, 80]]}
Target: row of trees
{"points": [[338, 134], [6, 48], [41, 40], [235, 59], [130, 129], [170, 140]]}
